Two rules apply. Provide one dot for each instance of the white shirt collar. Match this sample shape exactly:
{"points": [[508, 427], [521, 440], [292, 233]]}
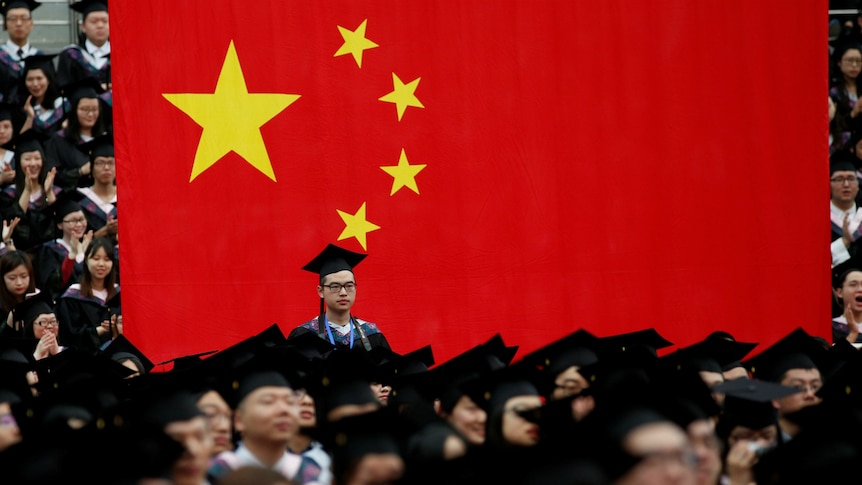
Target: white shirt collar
{"points": [[97, 51]]}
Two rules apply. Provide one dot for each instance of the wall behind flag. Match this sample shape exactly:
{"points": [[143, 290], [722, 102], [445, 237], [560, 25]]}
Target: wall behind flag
{"points": [[527, 168]]}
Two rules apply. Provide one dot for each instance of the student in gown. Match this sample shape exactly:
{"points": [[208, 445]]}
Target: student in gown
{"points": [[11, 119], [32, 195], [39, 323], [18, 22], [39, 94], [16, 269], [87, 319], [91, 57], [60, 262], [99, 200], [86, 121], [337, 289]]}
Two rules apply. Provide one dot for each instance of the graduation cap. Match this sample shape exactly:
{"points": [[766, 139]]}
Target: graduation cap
{"points": [[28, 310], [86, 7], [45, 62], [842, 161], [710, 355], [86, 87], [648, 339], [575, 349], [797, 350], [100, 146], [121, 349], [748, 403], [492, 390], [14, 387], [350, 438], [272, 367], [29, 141], [7, 5], [66, 203], [332, 260], [187, 361], [13, 113]]}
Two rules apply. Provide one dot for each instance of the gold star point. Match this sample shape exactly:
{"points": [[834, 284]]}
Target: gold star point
{"points": [[231, 118], [403, 95], [356, 225], [355, 42], [403, 174]]}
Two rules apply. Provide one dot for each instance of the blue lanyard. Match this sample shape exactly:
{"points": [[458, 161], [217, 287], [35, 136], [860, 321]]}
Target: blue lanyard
{"points": [[329, 331]]}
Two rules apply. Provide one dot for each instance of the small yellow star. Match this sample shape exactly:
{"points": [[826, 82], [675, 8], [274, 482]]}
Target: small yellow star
{"points": [[231, 118], [403, 95], [355, 225], [404, 174], [355, 42]]}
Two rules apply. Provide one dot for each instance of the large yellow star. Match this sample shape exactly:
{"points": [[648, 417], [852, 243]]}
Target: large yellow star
{"points": [[404, 174], [355, 225], [403, 95], [355, 42], [231, 118]]}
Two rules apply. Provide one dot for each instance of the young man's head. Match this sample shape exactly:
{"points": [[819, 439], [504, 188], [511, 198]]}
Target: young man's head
{"points": [[843, 183], [337, 286], [18, 19], [94, 24]]}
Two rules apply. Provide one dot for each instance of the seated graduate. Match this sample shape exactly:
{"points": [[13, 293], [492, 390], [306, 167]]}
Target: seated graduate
{"points": [[31, 196], [99, 200], [60, 262], [39, 95], [91, 56], [88, 310]]}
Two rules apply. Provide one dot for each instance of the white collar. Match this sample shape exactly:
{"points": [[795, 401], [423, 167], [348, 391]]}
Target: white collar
{"points": [[94, 50]]}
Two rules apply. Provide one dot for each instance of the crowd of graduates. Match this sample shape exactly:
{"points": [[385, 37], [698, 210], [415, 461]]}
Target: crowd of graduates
{"points": [[333, 402]]}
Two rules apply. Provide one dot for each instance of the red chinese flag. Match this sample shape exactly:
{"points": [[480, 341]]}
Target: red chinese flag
{"points": [[522, 167]]}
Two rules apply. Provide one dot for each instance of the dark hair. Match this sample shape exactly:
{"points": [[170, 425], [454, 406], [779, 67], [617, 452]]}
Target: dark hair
{"points": [[839, 283], [51, 93], [72, 133], [20, 176], [8, 262], [110, 279]]}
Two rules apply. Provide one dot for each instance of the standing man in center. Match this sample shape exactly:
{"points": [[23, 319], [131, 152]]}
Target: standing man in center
{"points": [[337, 290]]}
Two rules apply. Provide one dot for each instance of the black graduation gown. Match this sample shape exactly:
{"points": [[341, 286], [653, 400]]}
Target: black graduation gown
{"points": [[96, 217], [48, 264], [72, 66], [67, 159], [79, 316], [37, 224]]}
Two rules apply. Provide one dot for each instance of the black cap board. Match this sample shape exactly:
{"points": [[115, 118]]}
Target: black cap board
{"points": [[7, 5], [332, 260], [88, 6]]}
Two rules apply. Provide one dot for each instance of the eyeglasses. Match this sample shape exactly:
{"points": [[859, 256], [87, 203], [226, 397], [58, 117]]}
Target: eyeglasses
{"points": [[48, 322], [845, 180], [89, 111], [336, 287], [15, 20], [73, 222], [104, 163], [852, 62]]}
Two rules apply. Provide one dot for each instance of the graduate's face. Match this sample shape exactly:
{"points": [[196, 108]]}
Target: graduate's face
{"points": [[9, 431], [712, 379], [665, 452], [219, 416], [343, 299], [851, 291], [843, 186], [17, 281], [99, 264], [851, 63], [381, 392], [735, 373], [36, 82], [568, 383], [763, 437], [88, 112], [268, 414], [95, 26], [19, 23], [45, 323], [809, 381], [31, 163], [195, 437], [5, 131], [307, 412], [518, 431], [469, 419], [73, 225], [707, 448], [104, 169]]}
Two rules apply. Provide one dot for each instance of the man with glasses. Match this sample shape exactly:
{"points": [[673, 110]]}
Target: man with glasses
{"points": [[18, 21], [337, 289]]}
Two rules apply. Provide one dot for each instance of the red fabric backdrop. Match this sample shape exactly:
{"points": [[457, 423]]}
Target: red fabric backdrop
{"points": [[609, 165]]}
